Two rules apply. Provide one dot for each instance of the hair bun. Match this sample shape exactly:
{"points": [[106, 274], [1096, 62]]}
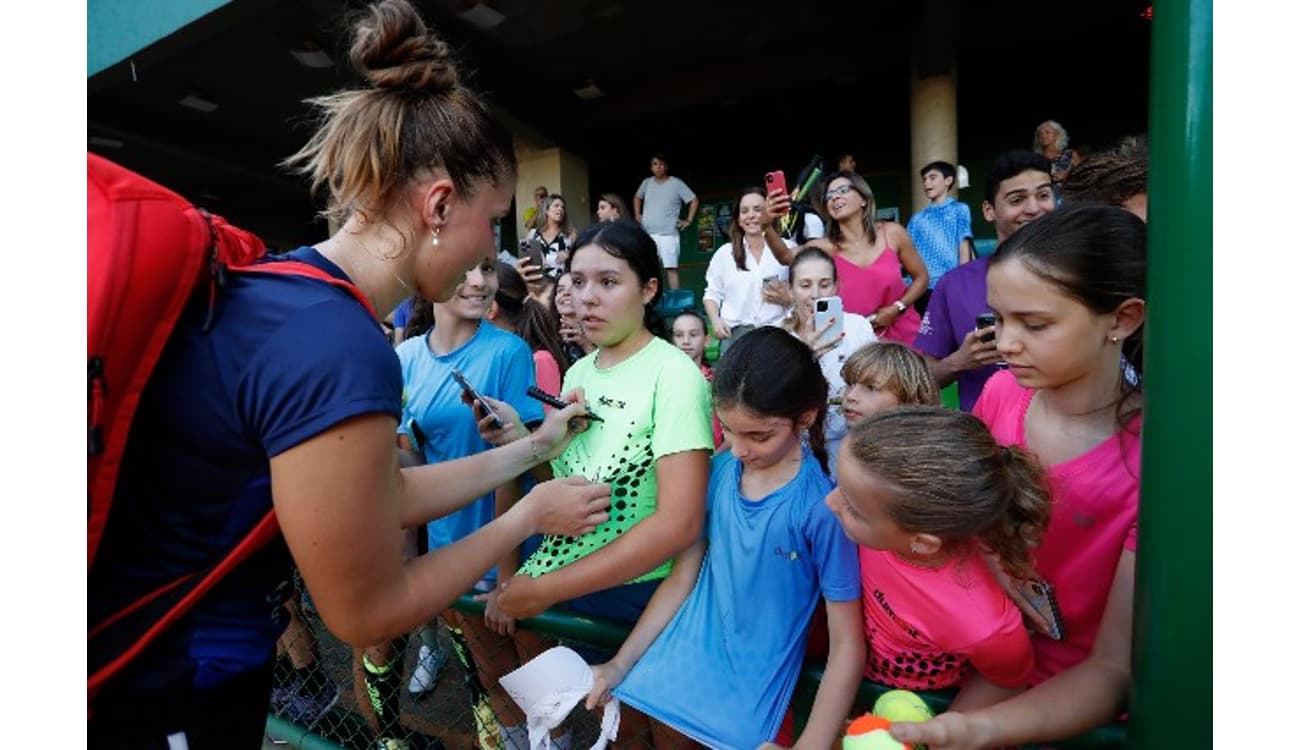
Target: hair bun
{"points": [[393, 49]]}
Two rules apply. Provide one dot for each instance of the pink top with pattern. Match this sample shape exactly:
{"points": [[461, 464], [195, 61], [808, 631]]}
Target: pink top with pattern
{"points": [[925, 625], [866, 290], [1094, 519]]}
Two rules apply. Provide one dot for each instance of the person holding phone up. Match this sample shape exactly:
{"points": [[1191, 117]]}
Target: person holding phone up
{"points": [[818, 319], [741, 290]]}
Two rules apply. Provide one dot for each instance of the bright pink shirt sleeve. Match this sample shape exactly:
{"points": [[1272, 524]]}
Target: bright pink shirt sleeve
{"points": [[548, 374], [1094, 519]]}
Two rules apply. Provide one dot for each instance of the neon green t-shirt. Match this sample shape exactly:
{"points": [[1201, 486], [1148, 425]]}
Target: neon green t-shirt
{"points": [[654, 403]]}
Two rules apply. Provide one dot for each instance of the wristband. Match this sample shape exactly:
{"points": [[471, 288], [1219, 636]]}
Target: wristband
{"points": [[902, 306]]}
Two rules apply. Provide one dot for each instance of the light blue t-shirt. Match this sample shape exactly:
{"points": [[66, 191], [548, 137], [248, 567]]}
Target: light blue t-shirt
{"points": [[724, 669], [937, 232], [662, 205], [498, 364]]}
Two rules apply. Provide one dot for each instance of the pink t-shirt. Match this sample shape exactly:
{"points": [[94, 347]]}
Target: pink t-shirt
{"points": [[924, 625], [548, 374], [1094, 519], [866, 290]]}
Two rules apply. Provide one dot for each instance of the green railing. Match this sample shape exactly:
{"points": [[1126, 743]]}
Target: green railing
{"points": [[343, 729]]}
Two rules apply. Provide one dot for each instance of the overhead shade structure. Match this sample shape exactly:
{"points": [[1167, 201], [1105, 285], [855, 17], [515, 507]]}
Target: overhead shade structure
{"points": [[117, 29]]}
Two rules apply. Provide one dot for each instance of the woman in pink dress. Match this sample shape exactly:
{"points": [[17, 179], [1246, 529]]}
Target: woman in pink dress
{"points": [[871, 259]]}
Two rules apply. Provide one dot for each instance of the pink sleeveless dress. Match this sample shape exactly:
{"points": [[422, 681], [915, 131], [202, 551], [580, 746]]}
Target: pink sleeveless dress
{"points": [[866, 290]]}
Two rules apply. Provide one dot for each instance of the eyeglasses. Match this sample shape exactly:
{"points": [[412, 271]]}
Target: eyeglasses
{"points": [[836, 192]]}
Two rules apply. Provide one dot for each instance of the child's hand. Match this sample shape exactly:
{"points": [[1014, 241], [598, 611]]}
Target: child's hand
{"points": [[511, 428], [607, 676], [496, 620], [523, 596]]}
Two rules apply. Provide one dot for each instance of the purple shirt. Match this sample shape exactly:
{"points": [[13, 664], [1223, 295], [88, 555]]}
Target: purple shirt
{"points": [[961, 295]]}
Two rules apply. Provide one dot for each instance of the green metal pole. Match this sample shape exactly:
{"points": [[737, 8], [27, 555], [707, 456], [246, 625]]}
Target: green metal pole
{"points": [[1172, 648]]}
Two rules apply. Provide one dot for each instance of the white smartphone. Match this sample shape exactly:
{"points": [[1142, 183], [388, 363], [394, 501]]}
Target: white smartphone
{"points": [[825, 308]]}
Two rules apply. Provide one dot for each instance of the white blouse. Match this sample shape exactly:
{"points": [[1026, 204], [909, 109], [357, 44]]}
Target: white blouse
{"points": [[739, 294]]}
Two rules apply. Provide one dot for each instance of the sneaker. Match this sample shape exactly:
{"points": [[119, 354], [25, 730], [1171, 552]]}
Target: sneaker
{"points": [[302, 705], [427, 669]]}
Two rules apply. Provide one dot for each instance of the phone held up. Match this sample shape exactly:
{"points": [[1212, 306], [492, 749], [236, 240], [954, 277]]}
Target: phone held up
{"points": [[775, 181], [986, 320], [828, 310]]}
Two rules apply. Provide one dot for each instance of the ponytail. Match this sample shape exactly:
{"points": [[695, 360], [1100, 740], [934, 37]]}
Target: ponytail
{"points": [[952, 479], [1020, 528]]}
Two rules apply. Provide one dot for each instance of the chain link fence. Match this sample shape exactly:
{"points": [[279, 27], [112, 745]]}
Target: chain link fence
{"points": [[436, 687]]}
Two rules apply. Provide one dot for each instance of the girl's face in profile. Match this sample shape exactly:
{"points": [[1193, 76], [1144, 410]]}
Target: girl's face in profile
{"points": [[861, 504]]}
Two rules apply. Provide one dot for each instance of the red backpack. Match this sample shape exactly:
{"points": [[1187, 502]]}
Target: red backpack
{"points": [[148, 252]]}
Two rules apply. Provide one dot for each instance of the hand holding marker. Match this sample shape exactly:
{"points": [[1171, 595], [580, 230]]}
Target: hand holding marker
{"points": [[558, 403]]}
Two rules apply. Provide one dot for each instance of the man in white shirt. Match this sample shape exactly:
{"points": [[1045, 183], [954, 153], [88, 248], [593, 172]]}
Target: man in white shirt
{"points": [[657, 206]]}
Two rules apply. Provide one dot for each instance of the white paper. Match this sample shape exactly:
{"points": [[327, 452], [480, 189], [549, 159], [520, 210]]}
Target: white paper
{"points": [[547, 689]]}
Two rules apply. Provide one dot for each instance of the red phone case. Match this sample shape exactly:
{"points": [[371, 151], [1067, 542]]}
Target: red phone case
{"points": [[775, 181]]}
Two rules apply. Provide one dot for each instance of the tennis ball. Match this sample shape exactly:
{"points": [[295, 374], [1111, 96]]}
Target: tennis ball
{"points": [[902, 705], [869, 732]]}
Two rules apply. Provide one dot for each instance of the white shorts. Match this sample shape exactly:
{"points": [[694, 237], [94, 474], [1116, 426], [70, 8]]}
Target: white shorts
{"points": [[670, 247]]}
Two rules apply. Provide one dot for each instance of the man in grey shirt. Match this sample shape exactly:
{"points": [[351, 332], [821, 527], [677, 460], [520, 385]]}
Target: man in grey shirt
{"points": [[657, 206]]}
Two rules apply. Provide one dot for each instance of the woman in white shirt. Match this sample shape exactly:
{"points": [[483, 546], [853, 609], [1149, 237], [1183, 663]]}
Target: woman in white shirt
{"points": [[812, 275], [734, 293]]}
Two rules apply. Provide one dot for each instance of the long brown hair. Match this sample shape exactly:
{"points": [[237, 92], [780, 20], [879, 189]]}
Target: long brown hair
{"points": [[734, 232], [952, 479], [414, 117], [532, 321]]}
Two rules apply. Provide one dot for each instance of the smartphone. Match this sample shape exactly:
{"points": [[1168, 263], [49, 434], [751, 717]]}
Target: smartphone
{"points": [[825, 308], [986, 320], [475, 395], [1041, 598], [775, 181], [535, 252]]}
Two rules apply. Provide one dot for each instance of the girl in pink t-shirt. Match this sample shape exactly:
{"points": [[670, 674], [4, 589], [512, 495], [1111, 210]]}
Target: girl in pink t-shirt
{"points": [[1068, 293], [927, 493]]}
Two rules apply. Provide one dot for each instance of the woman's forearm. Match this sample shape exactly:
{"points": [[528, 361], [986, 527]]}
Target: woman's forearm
{"points": [[435, 490], [1072, 702]]}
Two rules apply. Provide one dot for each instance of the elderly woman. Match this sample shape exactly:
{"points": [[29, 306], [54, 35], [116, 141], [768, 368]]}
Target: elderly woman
{"points": [[1051, 140]]}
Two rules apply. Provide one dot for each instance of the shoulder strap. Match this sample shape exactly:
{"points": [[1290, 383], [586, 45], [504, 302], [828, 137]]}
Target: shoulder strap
{"points": [[298, 268]]}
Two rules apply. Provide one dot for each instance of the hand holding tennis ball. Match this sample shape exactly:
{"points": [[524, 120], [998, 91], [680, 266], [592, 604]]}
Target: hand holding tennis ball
{"points": [[868, 732]]}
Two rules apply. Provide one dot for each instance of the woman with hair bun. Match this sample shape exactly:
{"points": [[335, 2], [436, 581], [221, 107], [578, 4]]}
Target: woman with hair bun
{"points": [[291, 400]]}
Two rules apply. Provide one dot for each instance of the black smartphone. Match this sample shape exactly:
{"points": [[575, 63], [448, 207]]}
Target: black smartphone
{"points": [[986, 320], [475, 395]]}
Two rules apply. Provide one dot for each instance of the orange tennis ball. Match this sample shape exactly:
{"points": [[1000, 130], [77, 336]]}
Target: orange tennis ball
{"points": [[869, 732]]}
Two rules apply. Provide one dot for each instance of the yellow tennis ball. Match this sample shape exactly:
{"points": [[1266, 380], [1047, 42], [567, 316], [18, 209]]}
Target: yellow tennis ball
{"points": [[902, 705]]}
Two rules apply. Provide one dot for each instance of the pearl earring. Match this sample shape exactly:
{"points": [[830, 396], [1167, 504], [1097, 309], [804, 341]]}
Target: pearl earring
{"points": [[1113, 339], [435, 236]]}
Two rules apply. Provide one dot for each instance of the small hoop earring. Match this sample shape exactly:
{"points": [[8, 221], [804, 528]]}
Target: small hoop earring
{"points": [[915, 549]]}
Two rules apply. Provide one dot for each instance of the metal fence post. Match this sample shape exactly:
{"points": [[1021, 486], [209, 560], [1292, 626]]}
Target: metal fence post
{"points": [[1172, 650]]}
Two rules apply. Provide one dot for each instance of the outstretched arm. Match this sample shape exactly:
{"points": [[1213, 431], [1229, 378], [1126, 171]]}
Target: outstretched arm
{"points": [[839, 685], [340, 500], [1084, 696]]}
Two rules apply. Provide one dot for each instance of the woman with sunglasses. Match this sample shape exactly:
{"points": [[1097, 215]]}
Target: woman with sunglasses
{"points": [[871, 259]]}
